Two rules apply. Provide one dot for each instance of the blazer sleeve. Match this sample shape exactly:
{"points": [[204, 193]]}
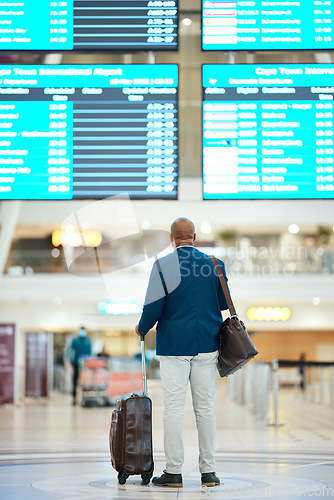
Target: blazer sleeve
{"points": [[222, 301], [154, 301]]}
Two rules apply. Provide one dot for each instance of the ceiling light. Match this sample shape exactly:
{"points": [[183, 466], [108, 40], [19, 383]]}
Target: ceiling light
{"points": [[293, 228], [186, 21], [206, 228], [55, 253], [146, 224]]}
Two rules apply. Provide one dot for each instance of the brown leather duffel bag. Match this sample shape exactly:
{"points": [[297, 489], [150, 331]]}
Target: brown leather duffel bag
{"points": [[235, 346]]}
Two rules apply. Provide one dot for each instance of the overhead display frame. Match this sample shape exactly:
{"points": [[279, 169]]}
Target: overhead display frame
{"points": [[268, 131], [88, 132], [267, 25], [89, 25]]}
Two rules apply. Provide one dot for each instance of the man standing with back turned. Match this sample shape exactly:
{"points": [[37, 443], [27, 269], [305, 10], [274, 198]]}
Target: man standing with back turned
{"points": [[185, 297]]}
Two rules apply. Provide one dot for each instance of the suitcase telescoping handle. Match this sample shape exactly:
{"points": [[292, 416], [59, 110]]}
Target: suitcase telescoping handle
{"points": [[143, 364]]}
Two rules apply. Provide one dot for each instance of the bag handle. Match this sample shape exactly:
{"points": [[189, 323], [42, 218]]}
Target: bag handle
{"points": [[226, 291], [143, 364]]}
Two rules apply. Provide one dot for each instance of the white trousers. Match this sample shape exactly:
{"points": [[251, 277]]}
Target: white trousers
{"points": [[176, 372]]}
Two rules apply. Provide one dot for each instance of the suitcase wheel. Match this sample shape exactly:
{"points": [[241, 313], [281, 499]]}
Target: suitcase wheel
{"points": [[122, 477], [146, 478]]}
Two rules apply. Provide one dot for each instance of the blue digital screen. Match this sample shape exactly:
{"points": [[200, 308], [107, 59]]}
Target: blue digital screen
{"points": [[89, 25], [268, 131], [88, 131], [267, 25]]}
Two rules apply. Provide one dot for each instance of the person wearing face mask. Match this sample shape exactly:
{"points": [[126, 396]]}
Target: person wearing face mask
{"points": [[80, 346]]}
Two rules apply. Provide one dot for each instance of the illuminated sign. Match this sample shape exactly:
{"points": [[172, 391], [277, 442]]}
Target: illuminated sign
{"points": [[268, 313], [89, 25], [76, 239], [119, 308], [268, 131], [88, 132], [267, 25]]}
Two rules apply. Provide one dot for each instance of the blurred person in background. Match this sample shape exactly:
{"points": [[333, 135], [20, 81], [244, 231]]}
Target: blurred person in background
{"points": [[81, 346], [302, 372]]}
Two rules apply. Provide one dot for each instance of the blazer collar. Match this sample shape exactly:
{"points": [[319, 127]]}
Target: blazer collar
{"points": [[184, 246]]}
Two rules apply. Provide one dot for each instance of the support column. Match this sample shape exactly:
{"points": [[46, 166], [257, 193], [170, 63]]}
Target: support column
{"points": [[127, 59], [275, 367], [323, 58], [150, 57], [250, 57], [9, 214], [231, 57]]}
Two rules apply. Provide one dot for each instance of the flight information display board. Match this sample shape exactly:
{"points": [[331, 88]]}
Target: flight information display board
{"points": [[88, 131], [89, 25], [268, 131], [267, 25]]}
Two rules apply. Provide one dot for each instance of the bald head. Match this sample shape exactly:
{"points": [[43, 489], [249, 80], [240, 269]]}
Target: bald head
{"points": [[182, 232]]}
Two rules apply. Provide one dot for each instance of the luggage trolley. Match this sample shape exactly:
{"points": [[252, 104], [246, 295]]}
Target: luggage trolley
{"points": [[93, 381]]}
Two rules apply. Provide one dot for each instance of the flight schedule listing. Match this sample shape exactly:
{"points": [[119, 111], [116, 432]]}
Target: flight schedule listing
{"points": [[34, 138], [267, 24], [88, 131], [268, 131], [88, 25]]}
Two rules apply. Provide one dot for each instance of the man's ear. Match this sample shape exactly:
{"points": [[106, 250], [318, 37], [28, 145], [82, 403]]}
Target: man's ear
{"points": [[194, 238], [171, 239]]}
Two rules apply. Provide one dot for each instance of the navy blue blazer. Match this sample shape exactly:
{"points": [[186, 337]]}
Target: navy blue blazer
{"points": [[186, 299]]}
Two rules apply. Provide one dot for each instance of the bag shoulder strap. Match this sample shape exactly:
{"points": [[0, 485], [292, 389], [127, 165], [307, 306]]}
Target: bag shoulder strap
{"points": [[162, 277], [226, 291]]}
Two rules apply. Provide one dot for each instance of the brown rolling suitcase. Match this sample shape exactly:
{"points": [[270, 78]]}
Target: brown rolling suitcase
{"points": [[130, 437]]}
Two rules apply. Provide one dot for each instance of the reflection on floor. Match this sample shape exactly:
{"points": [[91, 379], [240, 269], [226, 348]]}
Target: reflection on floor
{"points": [[51, 450]]}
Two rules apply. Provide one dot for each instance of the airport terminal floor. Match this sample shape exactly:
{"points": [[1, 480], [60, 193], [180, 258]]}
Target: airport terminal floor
{"points": [[52, 450]]}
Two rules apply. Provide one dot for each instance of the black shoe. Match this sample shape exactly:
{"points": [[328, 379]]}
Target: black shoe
{"points": [[166, 479], [210, 479]]}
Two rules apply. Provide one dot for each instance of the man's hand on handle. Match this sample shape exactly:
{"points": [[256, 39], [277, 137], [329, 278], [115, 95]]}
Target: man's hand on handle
{"points": [[137, 331]]}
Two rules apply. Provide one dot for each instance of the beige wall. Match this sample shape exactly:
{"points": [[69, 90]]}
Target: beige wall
{"points": [[290, 344], [270, 344], [125, 343]]}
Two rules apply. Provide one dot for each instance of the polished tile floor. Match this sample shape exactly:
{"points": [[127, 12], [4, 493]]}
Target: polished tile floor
{"points": [[53, 451]]}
